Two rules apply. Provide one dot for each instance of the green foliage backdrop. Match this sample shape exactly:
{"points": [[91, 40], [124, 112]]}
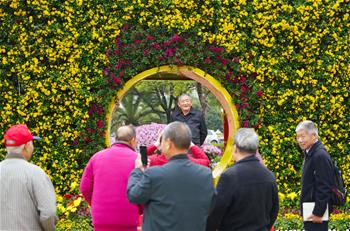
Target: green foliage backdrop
{"points": [[289, 58]]}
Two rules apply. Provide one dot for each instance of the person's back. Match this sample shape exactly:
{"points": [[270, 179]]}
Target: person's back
{"points": [[247, 192], [181, 196], [104, 184], [253, 185], [19, 186], [27, 196], [177, 195]]}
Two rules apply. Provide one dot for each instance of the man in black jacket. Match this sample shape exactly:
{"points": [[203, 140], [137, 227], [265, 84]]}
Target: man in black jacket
{"points": [[316, 178], [192, 117], [247, 195]]}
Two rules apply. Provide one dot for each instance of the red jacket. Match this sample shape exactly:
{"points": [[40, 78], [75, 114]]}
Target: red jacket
{"points": [[198, 156]]}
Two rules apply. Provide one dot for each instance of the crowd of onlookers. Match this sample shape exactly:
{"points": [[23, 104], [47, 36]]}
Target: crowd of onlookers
{"points": [[173, 189]]}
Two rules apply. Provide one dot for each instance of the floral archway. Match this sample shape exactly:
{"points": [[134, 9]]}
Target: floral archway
{"points": [[207, 81], [140, 52]]}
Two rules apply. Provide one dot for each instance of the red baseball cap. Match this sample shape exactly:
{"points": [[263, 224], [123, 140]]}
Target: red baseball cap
{"points": [[17, 135]]}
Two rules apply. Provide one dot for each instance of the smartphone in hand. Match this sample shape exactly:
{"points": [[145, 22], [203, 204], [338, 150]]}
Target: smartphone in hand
{"points": [[144, 158]]}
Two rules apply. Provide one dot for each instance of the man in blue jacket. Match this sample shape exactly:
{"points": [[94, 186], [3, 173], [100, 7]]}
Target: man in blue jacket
{"points": [[178, 195], [316, 181]]}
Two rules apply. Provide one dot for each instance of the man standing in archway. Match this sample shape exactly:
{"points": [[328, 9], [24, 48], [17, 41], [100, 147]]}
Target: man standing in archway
{"points": [[192, 117]]}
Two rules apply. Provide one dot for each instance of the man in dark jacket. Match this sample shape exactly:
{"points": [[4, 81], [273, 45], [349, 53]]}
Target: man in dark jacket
{"points": [[192, 117], [316, 179], [177, 195], [247, 195]]}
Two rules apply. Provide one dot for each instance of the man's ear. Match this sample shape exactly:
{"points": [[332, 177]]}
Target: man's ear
{"points": [[167, 144], [25, 152], [234, 149], [170, 144], [133, 142], [26, 146]]}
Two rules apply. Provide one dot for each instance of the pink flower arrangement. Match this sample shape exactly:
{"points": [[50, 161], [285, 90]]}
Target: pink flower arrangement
{"points": [[211, 150], [147, 134]]}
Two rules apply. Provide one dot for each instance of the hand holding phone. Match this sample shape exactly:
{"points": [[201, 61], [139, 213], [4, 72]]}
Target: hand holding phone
{"points": [[144, 158]]}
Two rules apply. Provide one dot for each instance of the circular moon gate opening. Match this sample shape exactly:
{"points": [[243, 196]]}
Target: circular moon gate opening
{"points": [[204, 79]]}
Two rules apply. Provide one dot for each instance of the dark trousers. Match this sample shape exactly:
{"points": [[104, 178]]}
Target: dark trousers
{"points": [[309, 226]]}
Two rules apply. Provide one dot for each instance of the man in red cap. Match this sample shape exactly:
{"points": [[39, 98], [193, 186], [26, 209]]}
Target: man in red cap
{"points": [[27, 196]]}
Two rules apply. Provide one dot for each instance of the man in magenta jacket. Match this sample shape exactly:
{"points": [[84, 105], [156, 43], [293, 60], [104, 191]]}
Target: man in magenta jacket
{"points": [[104, 184]]}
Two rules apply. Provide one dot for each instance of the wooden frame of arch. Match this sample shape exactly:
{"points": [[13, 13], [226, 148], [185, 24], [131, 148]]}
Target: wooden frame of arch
{"points": [[206, 80]]}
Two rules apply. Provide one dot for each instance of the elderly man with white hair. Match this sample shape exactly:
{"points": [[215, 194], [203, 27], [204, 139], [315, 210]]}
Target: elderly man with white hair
{"points": [[27, 196], [192, 117], [317, 177], [247, 195]]}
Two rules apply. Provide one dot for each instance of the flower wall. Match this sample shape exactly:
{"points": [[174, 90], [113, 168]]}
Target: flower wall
{"points": [[148, 134], [282, 61]]}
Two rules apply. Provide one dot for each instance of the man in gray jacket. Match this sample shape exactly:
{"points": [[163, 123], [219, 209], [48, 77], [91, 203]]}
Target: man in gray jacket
{"points": [[27, 196], [177, 195]]}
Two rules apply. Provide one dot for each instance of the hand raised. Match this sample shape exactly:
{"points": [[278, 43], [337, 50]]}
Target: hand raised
{"points": [[138, 162]]}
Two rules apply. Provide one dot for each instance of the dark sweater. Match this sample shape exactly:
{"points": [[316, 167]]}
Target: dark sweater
{"points": [[195, 120]]}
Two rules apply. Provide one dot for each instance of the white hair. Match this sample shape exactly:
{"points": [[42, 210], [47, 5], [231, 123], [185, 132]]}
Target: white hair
{"points": [[183, 95], [15, 149], [247, 140], [307, 126]]}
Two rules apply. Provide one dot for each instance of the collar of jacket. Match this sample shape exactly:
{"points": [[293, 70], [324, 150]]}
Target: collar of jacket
{"points": [[118, 143], [313, 148], [179, 112], [248, 159], [181, 156], [14, 156]]}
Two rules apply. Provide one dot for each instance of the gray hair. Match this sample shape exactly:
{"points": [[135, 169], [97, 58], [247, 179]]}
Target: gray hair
{"points": [[247, 140], [183, 95], [15, 149], [308, 126], [179, 134]]}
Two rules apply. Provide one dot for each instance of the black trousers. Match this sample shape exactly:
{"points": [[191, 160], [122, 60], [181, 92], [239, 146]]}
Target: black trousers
{"points": [[310, 226]]}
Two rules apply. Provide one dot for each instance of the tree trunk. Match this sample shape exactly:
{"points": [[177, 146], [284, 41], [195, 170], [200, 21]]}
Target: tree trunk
{"points": [[202, 99], [166, 102]]}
